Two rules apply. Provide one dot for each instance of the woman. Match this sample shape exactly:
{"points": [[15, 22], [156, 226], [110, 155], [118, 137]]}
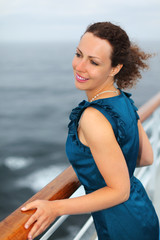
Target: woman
{"points": [[105, 142]]}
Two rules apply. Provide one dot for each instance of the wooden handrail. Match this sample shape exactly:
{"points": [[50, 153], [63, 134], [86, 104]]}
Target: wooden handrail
{"points": [[149, 107], [63, 186]]}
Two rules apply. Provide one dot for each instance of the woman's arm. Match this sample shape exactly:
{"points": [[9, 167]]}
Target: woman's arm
{"points": [[99, 136], [145, 155]]}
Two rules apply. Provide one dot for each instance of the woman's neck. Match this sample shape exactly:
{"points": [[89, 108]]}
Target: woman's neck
{"points": [[107, 91]]}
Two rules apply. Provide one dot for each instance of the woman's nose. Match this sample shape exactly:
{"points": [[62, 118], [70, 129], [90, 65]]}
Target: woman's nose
{"points": [[81, 66]]}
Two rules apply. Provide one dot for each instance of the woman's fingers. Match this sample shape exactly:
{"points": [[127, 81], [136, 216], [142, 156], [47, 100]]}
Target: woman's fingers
{"points": [[30, 206], [37, 229], [34, 217], [31, 220]]}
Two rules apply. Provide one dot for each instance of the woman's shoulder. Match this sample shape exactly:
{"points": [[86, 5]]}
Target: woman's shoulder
{"points": [[95, 126], [92, 116]]}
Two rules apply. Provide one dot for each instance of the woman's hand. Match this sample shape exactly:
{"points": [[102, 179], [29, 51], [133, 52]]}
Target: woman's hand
{"points": [[42, 218]]}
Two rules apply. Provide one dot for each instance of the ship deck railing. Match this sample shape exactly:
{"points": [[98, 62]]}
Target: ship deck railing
{"points": [[67, 185]]}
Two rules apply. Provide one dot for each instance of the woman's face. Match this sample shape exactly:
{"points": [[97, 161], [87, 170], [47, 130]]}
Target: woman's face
{"points": [[92, 64]]}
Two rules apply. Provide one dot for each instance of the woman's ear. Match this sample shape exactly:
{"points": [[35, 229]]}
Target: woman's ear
{"points": [[116, 69]]}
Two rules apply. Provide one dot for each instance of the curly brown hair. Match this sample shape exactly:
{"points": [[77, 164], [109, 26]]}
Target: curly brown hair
{"points": [[123, 52]]}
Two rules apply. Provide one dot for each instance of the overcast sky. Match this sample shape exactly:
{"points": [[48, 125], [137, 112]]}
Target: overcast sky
{"points": [[49, 20]]}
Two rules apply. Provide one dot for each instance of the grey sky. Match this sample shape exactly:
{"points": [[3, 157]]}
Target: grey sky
{"points": [[49, 20]]}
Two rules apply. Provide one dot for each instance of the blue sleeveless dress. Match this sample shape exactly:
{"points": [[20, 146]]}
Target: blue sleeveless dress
{"points": [[136, 218]]}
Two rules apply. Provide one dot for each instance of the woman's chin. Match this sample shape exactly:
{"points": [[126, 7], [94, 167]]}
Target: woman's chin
{"points": [[80, 85]]}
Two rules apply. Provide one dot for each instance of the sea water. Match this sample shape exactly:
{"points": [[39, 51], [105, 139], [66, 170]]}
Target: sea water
{"points": [[37, 94]]}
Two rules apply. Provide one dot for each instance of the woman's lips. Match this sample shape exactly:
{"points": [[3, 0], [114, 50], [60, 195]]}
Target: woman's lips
{"points": [[80, 78]]}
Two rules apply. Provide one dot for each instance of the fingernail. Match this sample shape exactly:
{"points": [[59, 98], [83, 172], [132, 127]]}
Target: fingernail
{"points": [[26, 226], [23, 208], [30, 237]]}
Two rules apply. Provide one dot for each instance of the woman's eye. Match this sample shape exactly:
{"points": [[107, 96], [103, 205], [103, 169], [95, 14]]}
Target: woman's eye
{"points": [[94, 63], [77, 54]]}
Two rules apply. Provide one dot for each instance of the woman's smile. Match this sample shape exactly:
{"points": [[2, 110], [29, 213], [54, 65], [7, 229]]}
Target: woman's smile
{"points": [[81, 79]]}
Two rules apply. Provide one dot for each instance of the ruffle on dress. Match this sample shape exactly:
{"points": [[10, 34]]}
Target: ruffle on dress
{"points": [[77, 112]]}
